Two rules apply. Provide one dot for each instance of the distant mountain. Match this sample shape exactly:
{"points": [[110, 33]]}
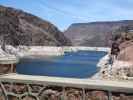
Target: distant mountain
{"points": [[94, 33], [21, 28]]}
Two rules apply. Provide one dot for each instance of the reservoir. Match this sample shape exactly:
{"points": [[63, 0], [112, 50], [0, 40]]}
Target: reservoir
{"points": [[81, 64]]}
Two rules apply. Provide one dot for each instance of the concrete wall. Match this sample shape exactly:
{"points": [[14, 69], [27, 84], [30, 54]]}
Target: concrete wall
{"points": [[22, 87]]}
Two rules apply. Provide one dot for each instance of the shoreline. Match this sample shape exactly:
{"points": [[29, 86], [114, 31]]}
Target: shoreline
{"points": [[22, 51], [102, 64]]}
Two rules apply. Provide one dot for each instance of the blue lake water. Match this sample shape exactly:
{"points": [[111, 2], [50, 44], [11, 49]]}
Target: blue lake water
{"points": [[81, 64]]}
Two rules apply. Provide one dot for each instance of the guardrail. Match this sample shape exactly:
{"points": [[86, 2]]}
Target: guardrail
{"points": [[43, 87]]}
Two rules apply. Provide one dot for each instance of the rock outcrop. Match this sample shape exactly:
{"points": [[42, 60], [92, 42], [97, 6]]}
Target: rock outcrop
{"points": [[124, 38], [21, 28], [122, 67], [94, 33]]}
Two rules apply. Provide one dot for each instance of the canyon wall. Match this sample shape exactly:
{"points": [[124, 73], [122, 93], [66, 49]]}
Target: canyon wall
{"points": [[20, 28]]}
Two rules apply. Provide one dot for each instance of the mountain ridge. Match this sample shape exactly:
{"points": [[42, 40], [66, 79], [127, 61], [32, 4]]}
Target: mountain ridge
{"points": [[21, 28], [94, 33]]}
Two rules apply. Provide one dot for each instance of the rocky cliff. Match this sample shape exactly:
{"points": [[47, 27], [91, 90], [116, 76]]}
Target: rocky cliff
{"points": [[20, 28], [122, 67], [94, 33]]}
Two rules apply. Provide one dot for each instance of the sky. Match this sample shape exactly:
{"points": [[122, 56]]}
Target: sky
{"points": [[63, 13]]}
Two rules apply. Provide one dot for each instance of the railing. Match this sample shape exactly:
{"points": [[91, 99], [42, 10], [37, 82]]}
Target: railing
{"points": [[27, 87]]}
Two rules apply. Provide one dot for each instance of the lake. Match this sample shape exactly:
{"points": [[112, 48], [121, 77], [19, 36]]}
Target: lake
{"points": [[81, 64]]}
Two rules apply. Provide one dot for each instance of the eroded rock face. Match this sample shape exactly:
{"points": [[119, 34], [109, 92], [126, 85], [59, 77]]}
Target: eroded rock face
{"points": [[94, 33], [126, 52], [20, 28], [122, 67]]}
